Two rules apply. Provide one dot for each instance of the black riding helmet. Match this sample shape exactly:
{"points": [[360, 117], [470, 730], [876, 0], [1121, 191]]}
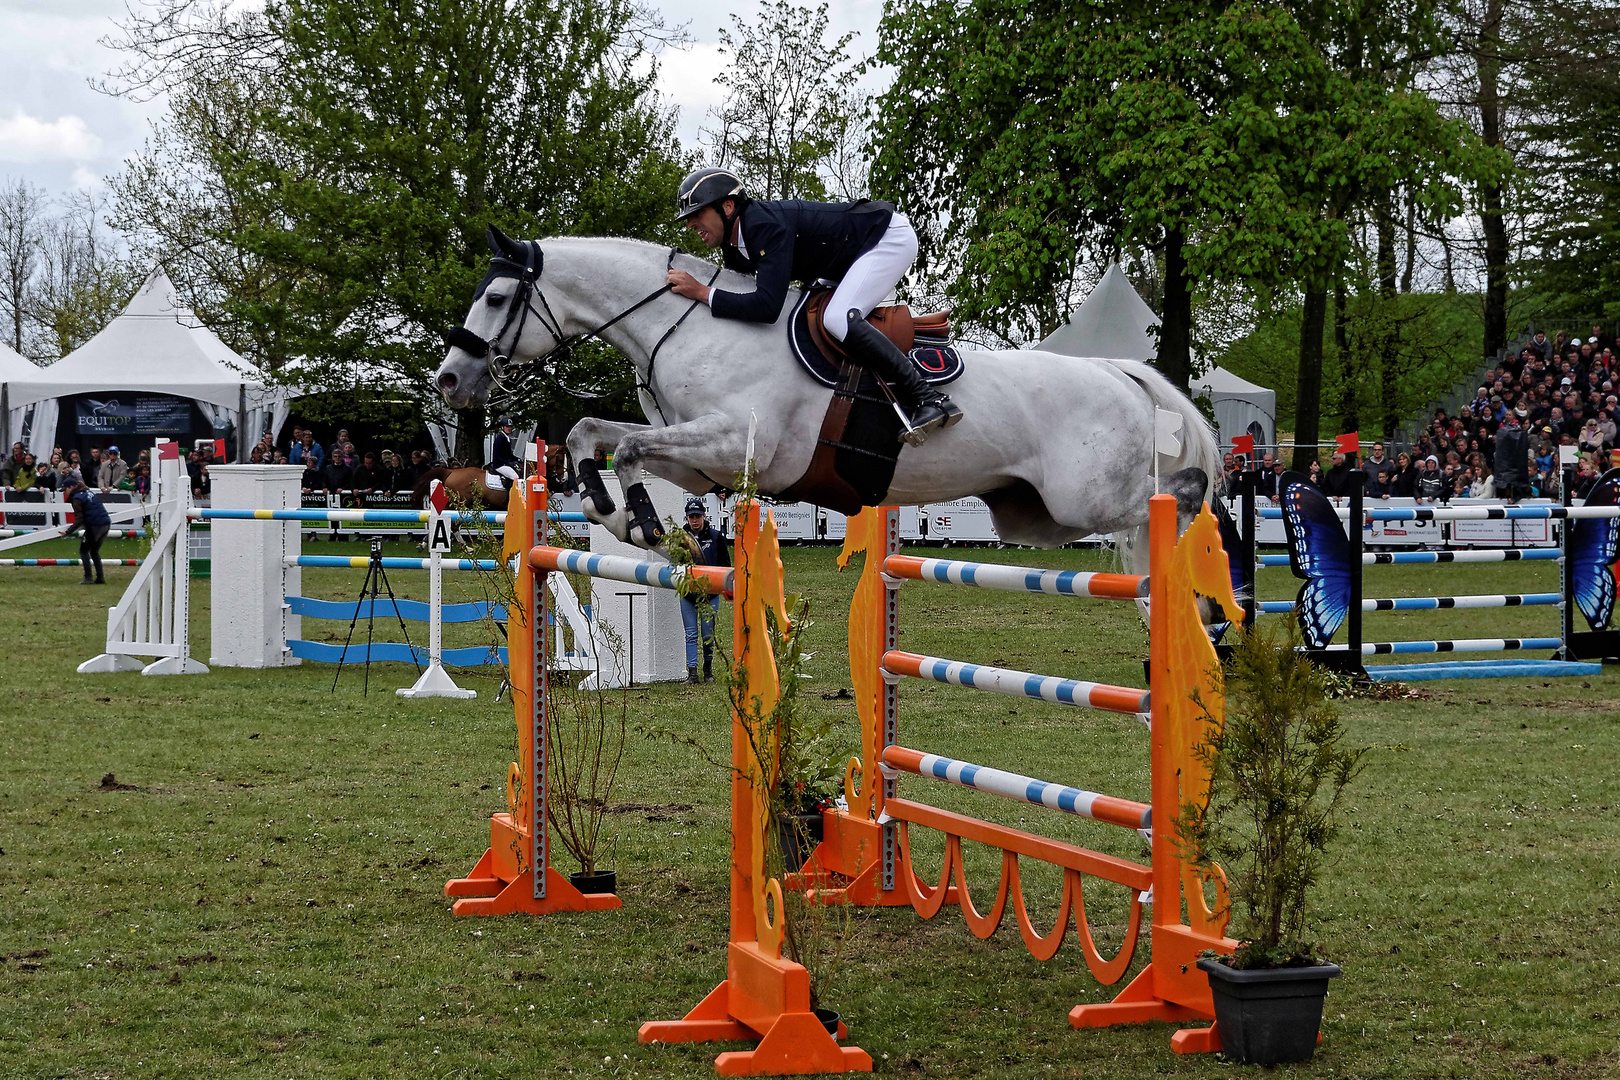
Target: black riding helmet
{"points": [[706, 187]]}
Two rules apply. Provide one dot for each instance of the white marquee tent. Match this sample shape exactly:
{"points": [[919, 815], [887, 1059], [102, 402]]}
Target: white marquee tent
{"points": [[12, 366], [155, 346], [1114, 322]]}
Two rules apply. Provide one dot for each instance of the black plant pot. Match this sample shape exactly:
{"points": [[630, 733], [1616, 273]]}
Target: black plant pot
{"points": [[799, 834], [829, 1020], [1268, 1015], [602, 881]]}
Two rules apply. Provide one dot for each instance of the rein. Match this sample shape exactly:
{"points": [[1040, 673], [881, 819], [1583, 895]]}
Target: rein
{"points": [[528, 276]]}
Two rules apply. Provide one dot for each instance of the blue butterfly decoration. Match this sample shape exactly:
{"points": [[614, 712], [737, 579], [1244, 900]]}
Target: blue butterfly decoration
{"points": [[1318, 552], [1594, 543]]}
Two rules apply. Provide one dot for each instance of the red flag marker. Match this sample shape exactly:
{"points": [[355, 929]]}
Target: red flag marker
{"points": [[1350, 443], [1243, 445]]}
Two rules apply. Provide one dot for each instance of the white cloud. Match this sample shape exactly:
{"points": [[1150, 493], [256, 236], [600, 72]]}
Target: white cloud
{"points": [[686, 79], [26, 139], [87, 179]]}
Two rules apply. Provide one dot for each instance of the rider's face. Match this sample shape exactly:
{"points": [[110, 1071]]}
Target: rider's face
{"points": [[709, 226]]}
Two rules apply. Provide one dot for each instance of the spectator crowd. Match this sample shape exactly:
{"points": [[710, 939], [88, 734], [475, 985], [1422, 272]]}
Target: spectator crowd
{"points": [[335, 467], [1504, 443]]}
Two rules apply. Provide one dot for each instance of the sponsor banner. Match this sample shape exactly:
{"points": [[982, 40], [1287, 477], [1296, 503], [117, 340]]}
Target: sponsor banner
{"points": [[1387, 534], [1515, 533], [132, 414], [960, 519]]}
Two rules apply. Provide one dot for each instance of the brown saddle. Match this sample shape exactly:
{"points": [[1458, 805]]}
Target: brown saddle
{"points": [[895, 322]]}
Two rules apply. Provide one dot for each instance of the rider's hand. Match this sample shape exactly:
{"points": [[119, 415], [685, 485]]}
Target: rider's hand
{"points": [[684, 284]]}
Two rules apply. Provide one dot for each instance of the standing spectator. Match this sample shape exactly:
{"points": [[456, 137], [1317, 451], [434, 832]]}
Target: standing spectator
{"points": [[112, 470], [364, 478], [1404, 485], [194, 473], [1431, 485], [707, 548], [1380, 473], [307, 453], [90, 517], [1314, 474], [142, 483], [46, 476], [13, 462], [72, 472], [336, 449], [1271, 481], [335, 473], [1540, 345], [24, 478], [1336, 483], [1512, 465]]}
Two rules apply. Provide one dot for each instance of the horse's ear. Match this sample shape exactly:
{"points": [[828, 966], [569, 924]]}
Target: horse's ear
{"points": [[503, 245]]}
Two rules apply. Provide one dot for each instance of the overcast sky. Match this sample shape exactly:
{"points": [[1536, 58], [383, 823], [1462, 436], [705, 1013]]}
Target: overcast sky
{"points": [[60, 133]]}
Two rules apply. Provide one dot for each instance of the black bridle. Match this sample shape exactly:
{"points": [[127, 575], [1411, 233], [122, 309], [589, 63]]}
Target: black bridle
{"points": [[527, 272]]}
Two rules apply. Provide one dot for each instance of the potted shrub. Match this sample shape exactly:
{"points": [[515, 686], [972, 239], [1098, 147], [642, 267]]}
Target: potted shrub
{"points": [[809, 779], [1279, 771]]}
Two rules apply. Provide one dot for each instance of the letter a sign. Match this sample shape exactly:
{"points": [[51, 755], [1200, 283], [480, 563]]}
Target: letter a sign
{"points": [[438, 524], [439, 535]]}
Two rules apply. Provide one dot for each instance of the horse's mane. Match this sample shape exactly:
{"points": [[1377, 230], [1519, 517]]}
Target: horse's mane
{"points": [[699, 267]]}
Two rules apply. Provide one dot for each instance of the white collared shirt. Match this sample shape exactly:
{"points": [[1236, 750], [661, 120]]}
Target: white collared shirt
{"points": [[737, 234]]}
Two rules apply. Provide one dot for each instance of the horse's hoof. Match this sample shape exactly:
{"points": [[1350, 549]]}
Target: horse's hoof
{"points": [[596, 497], [643, 517]]}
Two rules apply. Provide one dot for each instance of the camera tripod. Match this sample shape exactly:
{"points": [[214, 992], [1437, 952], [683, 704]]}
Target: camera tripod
{"points": [[370, 593]]}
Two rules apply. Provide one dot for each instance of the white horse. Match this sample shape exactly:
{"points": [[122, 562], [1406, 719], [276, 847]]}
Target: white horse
{"points": [[1060, 447]]}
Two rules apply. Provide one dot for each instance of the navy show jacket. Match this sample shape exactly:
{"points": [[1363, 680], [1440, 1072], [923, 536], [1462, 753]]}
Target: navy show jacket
{"points": [[795, 240]]}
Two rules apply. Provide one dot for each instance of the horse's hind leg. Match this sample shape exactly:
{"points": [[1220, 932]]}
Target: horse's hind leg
{"points": [[587, 437]]}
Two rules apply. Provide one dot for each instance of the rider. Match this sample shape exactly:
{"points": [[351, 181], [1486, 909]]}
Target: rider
{"points": [[502, 460], [866, 247]]}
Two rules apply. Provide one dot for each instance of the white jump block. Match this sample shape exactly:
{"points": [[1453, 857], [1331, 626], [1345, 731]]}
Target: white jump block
{"points": [[250, 579], [652, 645]]}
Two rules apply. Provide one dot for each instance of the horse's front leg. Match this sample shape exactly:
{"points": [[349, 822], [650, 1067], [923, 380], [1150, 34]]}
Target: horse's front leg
{"points": [[713, 445], [587, 437]]}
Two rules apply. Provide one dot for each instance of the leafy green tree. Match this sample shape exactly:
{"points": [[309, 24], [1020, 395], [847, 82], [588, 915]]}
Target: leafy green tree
{"points": [[1236, 141], [1576, 123], [385, 136], [1362, 131], [1072, 131]]}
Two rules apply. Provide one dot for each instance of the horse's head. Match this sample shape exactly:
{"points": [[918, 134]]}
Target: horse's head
{"points": [[509, 323]]}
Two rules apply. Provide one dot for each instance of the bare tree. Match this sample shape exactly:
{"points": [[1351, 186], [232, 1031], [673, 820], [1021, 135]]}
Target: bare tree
{"points": [[83, 279], [22, 207], [789, 102]]}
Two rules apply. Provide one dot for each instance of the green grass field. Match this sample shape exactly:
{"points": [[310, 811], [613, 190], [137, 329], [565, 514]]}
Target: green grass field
{"points": [[258, 892]]}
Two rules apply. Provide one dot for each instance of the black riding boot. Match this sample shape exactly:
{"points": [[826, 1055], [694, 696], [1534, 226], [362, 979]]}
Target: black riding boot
{"points": [[929, 409], [708, 665]]}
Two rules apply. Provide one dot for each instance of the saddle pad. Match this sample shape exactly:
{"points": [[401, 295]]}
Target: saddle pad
{"points": [[935, 361]]}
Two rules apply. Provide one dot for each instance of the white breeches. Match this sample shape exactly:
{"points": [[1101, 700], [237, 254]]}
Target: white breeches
{"points": [[508, 472], [873, 276]]}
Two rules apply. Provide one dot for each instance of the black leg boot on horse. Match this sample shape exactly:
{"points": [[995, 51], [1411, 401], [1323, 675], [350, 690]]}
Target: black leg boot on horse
{"points": [[928, 408]]}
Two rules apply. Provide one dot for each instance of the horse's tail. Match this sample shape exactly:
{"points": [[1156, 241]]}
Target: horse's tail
{"points": [[1199, 448], [419, 493]]}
